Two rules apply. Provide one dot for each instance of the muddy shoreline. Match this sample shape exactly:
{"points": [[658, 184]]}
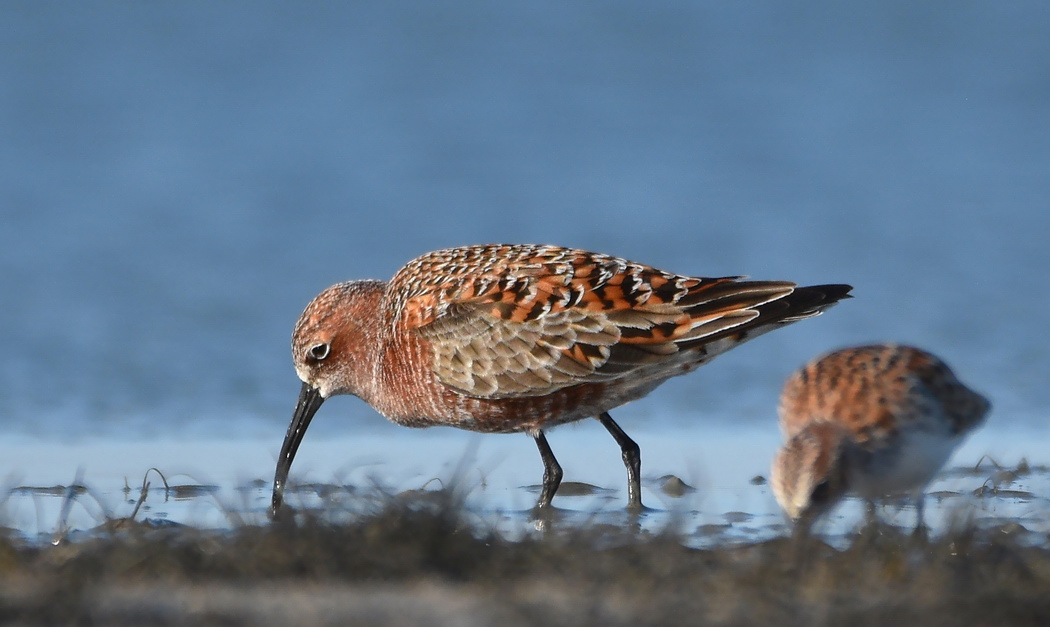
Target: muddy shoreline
{"points": [[424, 560]]}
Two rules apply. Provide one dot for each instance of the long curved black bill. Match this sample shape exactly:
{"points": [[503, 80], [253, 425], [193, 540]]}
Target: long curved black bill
{"points": [[309, 400]]}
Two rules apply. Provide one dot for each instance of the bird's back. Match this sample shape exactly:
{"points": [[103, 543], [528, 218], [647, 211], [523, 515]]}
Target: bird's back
{"points": [[876, 391], [510, 321]]}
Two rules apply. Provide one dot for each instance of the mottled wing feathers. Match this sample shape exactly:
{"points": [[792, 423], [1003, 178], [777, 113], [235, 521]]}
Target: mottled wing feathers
{"points": [[874, 391], [509, 321], [486, 356]]}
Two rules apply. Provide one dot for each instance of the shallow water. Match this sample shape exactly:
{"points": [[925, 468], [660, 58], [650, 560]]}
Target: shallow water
{"points": [[707, 483], [175, 190]]}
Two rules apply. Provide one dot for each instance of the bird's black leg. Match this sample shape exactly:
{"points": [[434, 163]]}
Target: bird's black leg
{"points": [[921, 532], [551, 471], [632, 459]]}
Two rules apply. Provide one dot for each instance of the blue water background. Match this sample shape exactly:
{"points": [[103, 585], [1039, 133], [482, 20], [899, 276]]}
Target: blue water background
{"points": [[177, 180]]}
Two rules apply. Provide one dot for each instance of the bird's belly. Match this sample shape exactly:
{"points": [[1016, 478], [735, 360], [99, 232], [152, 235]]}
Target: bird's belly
{"points": [[906, 468], [523, 414]]}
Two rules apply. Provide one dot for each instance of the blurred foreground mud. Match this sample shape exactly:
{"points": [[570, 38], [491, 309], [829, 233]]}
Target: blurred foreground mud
{"points": [[422, 559]]}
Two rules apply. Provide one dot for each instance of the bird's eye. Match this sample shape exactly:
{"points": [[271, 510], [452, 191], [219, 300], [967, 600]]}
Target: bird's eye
{"points": [[320, 351], [821, 493]]}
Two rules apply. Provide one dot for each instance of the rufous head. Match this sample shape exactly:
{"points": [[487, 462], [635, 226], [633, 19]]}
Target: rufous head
{"points": [[332, 335], [331, 345]]}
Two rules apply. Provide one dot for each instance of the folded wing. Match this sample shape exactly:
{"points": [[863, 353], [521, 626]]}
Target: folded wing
{"points": [[512, 321]]}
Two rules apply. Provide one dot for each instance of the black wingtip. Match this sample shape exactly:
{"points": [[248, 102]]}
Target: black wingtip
{"points": [[813, 299], [799, 304], [809, 300], [832, 292]]}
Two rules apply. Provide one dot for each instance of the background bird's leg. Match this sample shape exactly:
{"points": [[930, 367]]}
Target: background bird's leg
{"points": [[921, 531]]}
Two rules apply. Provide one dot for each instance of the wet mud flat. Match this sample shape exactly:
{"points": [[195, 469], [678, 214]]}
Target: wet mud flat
{"points": [[422, 558]]}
